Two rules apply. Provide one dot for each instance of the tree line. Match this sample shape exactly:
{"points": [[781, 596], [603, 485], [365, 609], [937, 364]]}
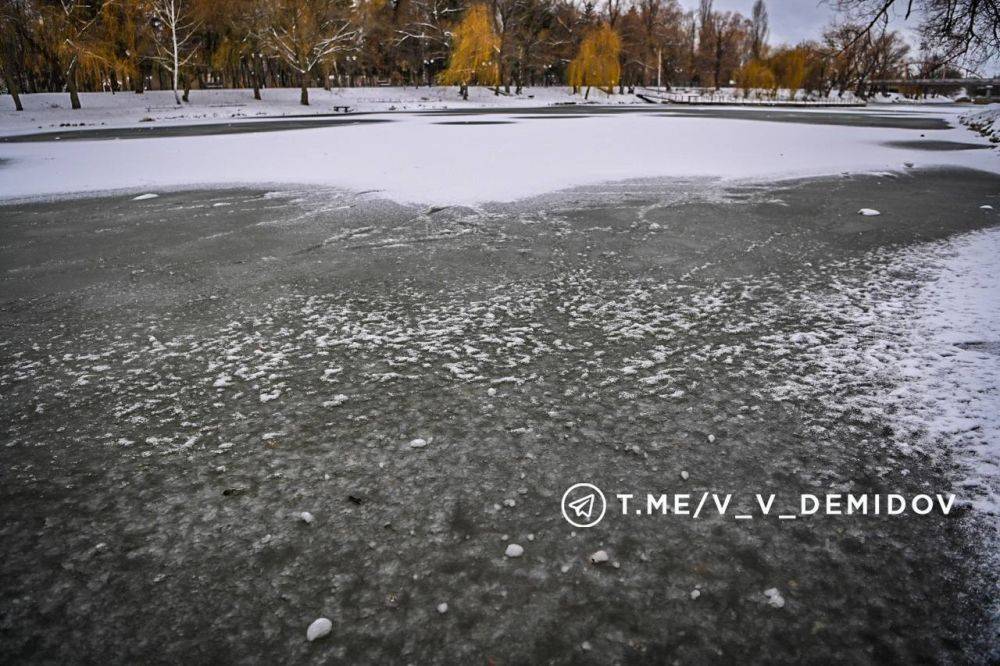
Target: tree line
{"points": [[136, 45]]}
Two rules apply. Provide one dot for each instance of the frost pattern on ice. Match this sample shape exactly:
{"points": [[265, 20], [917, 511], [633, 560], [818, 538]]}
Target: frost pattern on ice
{"points": [[905, 338]]}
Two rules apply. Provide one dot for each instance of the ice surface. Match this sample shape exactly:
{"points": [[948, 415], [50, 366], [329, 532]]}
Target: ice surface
{"points": [[469, 164]]}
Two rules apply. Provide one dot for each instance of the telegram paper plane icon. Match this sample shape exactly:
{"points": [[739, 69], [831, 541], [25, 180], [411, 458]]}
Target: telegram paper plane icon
{"points": [[583, 507]]}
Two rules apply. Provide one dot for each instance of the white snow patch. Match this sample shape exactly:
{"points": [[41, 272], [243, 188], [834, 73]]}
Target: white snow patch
{"points": [[599, 557], [336, 400], [503, 162], [774, 598], [268, 397], [955, 387], [934, 343]]}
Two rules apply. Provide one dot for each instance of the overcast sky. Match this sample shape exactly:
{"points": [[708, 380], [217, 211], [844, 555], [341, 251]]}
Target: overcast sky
{"points": [[794, 20]]}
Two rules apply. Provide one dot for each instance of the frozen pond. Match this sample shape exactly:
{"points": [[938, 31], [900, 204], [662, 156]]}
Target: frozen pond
{"points": [[182, 375]]}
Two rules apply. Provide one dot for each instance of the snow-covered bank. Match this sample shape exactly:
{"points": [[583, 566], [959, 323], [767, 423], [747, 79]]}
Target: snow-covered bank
{"points": [[45, 111], [984, 122], [429, 159]]}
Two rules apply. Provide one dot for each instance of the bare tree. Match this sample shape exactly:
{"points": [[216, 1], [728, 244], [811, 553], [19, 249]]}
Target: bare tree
{"points": [[856, 56], [66, 34], [720, 43], [967, 29], [175, 38], [305, 33], [426, 28], [758, 30], [13, 20]]}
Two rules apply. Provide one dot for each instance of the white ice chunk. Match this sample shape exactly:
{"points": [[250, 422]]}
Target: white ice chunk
{"points": [[774, 598], [319, 628]]}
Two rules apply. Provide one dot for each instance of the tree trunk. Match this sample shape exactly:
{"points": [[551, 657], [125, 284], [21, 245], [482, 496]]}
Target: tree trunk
{"points": [[74, 95], [176, 86], [325, 71], [304, 97], [255, 75], [12, 88], [15, 95], [187, 89]]}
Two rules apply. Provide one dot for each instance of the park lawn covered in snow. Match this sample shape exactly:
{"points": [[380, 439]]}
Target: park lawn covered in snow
{"points": [[46, 111], [449, 159]]}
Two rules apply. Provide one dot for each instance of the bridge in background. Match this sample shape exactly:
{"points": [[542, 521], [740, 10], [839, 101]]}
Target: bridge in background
{"points": [[988, 88]]}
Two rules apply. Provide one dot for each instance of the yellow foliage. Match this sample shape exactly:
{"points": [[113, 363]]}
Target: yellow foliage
{"points": [[596, 64], [69, 36], [756, 75], [125, 35], [474, 51], [791, 68]]}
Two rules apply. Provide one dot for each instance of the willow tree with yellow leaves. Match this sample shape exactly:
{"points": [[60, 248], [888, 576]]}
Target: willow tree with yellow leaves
{"points": [[67, 34], [474, 51], [597, 63], [791, 66], [757, 77]]}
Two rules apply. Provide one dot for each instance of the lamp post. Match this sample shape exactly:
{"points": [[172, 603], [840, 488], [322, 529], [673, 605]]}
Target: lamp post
{"points": [[351, 63]]}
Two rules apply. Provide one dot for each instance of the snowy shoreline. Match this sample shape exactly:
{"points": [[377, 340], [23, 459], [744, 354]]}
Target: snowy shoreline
{"points": [[48, 111]]}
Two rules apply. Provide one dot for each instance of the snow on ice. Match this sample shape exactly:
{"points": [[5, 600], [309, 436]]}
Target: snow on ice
{"points": [[521, 159]]}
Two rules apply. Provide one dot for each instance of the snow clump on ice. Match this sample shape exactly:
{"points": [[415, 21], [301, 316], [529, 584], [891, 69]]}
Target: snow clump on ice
{"points": [[318, 629]]}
